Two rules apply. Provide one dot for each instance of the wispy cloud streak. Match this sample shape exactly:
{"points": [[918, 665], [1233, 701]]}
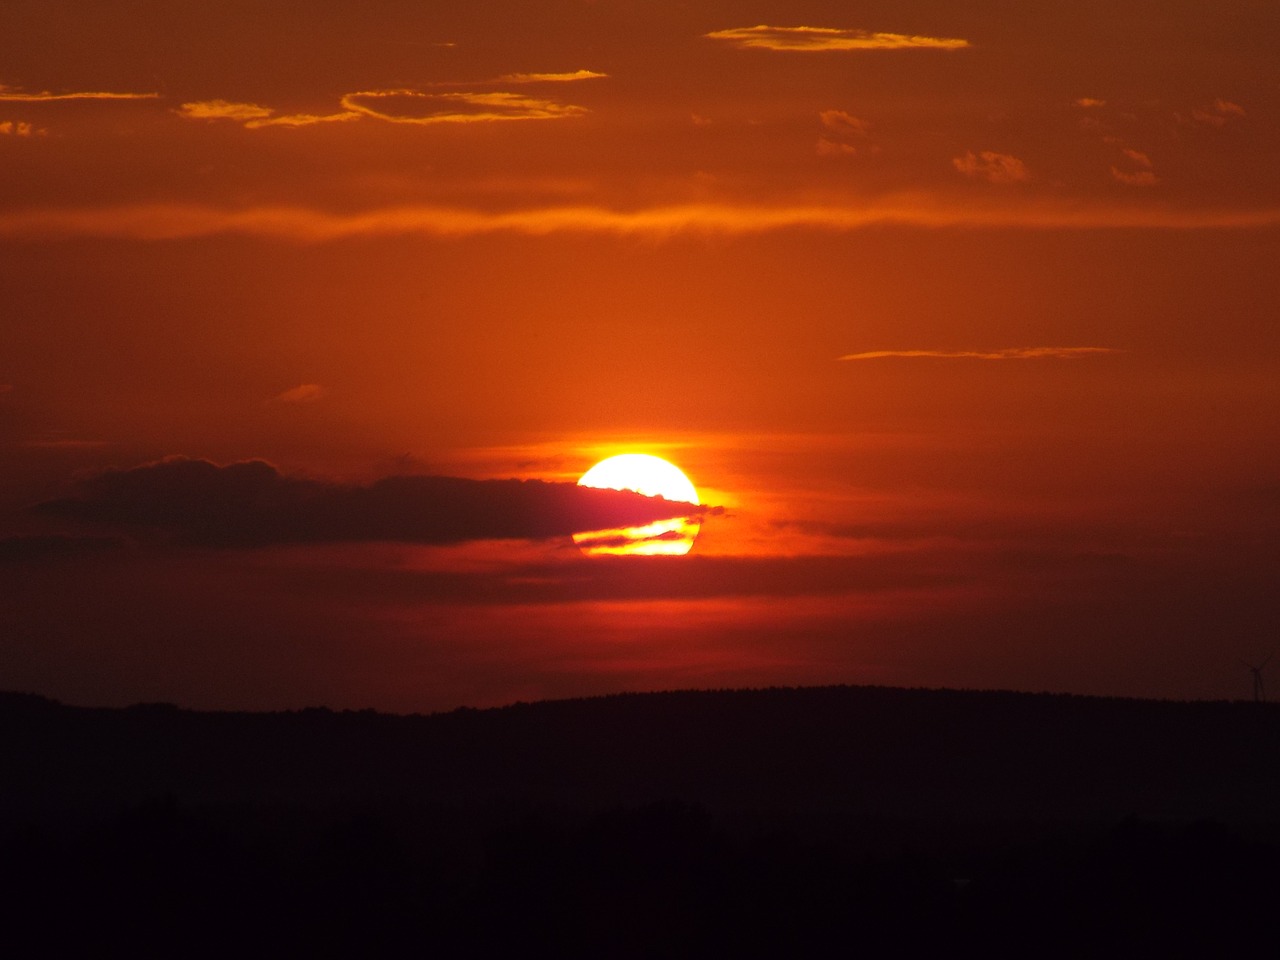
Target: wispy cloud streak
{"points": [[14, 95], [992, 167], [254, 116], [818, 39], [303, 224], [1219, 113], [303, 393], [838, 121], [223, 110], [550, 77], [404, 106], [1008, 353], [1134, 178], [460, 107]]}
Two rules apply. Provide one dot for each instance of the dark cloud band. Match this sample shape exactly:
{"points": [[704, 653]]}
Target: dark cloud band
{"points": [[252, 504]]}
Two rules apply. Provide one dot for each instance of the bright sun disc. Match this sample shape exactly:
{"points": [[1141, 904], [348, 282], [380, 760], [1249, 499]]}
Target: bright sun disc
{"points": [[642, 473], [653, 477]]}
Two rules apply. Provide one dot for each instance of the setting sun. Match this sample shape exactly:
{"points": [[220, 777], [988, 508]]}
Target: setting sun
{"points": [[653, 477], [642, 473]]}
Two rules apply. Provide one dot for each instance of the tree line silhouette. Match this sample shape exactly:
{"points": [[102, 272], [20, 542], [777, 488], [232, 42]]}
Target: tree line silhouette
{"points": [[684, 824]]}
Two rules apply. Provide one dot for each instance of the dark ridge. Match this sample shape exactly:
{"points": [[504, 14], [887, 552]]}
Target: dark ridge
{"points": [[932, 754], [763, 823]]}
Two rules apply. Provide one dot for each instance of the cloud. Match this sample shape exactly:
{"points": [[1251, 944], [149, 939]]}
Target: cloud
{"points": [[992, 167], [223, 110], [1144, 176], [840, 127], [1137, 178], [162, 221], [1007, 353], [13, 94], [251, 504], [254, 116], [811, 39], [1219, 113], [17, 128], [1089, 103], [550, 77], [459, 107], [303, 120], [303, 393], [406, 106], [833, 148], [844, 124]]}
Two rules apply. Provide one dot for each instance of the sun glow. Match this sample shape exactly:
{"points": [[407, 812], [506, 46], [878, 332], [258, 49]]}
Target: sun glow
{"points": [[653, 477]]}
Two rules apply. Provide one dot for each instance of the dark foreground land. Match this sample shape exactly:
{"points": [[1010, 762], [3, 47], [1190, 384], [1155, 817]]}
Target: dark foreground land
{"points": [[818, 822]]}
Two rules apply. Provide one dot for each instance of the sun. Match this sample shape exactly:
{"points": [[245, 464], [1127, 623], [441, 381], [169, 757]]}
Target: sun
{"points": [[641, 473], [653, 477]]}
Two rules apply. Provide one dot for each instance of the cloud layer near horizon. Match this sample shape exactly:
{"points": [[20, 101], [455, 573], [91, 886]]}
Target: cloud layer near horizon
{"points": [[251, 504]]}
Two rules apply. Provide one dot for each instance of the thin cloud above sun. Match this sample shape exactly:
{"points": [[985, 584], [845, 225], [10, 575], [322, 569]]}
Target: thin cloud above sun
{"points": [[13, 94], [1219, 113], [224, 110], [1134, 178], [551, 77], [992, 167], [254, 116], [818, 39], [838, 121], [461, 107], [161, 221], [1007, 353], [405, 106], [1142, 176], [839, 129]]}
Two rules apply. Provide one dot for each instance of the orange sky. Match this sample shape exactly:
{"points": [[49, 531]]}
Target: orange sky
{"points": [[965, 315]]}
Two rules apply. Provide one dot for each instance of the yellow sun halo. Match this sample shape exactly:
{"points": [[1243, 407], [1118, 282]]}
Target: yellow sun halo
{"points": [[653, 477]]}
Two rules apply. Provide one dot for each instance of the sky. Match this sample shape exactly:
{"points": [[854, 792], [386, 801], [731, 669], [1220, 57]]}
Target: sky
{"points": [[960, 317]]}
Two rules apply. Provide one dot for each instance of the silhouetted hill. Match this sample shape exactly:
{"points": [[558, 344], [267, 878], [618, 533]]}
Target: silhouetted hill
{"points": [[765, 823], [871, 751]]}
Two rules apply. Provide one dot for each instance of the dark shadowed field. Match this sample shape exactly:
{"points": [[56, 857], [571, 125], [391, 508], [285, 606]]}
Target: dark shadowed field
{"points": [[833, 821]]}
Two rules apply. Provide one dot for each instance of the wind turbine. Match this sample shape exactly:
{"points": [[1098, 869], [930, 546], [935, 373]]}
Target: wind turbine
{"points": [[1259, 688]]}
